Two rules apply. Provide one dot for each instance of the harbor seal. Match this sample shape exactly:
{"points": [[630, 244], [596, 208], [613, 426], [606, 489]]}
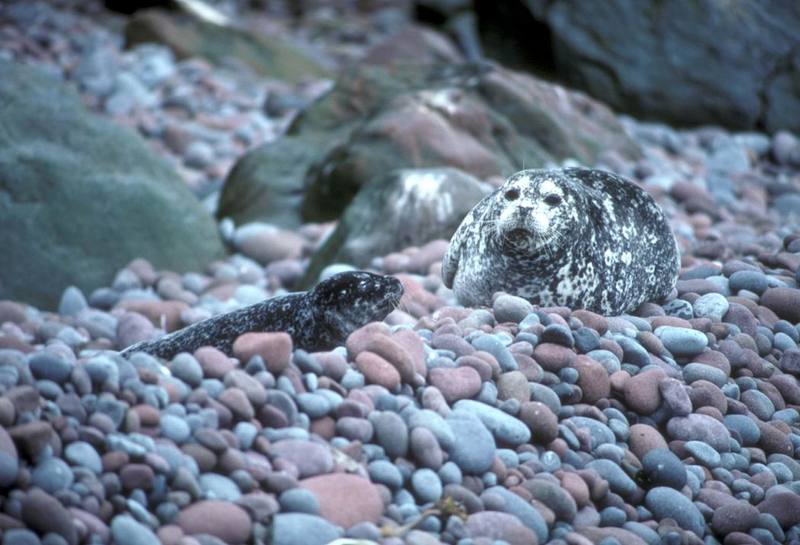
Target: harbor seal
{"points": [[576, 237], [319, 319]]}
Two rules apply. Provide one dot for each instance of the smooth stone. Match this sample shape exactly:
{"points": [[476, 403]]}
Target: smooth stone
{"points": [[344, 499], [505, 428], [703, 453], [175, 428], [125, 530], [498, 527], [52, 475], [298, 500], [699, 371], [310, 458], [386, 473], [391, 432], [618, 480], [494, 346], [524, 511], [734, 517], [682, 341], [303, 529], [219, 487], [225, 520], [663, 468], [665, 502], [21, 536], [81, 453], [700, 427], [426, 485], [473, 444], [745, 427], [45, 366], [712, 306]]}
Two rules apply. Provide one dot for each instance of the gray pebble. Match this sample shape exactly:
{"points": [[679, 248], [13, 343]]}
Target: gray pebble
{"points": [[712, 306], [126, 531], [299, 500], [426, 485], [682, 341], [81, 453]]}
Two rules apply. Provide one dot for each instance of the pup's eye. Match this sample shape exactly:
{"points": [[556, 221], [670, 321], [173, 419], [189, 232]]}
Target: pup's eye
{"points": [[552, 199], [512, 194]]}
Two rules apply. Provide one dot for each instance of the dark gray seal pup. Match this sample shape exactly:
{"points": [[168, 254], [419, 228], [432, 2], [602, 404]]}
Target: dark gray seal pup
{"points": [[576, 237], [319, 319]]}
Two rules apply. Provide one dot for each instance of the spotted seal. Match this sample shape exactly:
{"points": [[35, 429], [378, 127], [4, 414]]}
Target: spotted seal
{"points": [[576, 237], [319, 319]]}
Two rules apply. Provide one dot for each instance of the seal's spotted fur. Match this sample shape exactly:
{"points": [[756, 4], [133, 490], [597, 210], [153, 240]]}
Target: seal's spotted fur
{"points": [[576, 237], [319, 319]]}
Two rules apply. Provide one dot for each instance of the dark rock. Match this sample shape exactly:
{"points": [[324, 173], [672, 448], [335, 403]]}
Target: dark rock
{"points": [[479, 118], [48, 135], [43, 513], [655, 59], [400, 209], [192, 37]]}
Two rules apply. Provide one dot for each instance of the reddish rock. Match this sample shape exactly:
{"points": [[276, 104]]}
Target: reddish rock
{"points": [[542, 422], [236, 400], [455, 383], [214, 362], [735, 517], [392, 352], [11, 311], [414, 347], [513, 385], [592, 320], [358, 339], [345, 499], [784, 506], [134, 476], [497, 525], [32, 437], [42, 513], [274, 348], [221, 519], [553, 357], [785, 302], [593, 379], [377, 370], [166, 314], [641, 391], [645, 438]]}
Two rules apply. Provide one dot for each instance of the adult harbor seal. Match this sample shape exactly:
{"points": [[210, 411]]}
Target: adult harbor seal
{"points": [[319, 319], [575, 237]]}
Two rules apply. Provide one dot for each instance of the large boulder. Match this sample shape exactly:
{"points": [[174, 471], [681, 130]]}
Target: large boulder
{"points": [[81, 197], [735, 64], [189, 36], [400, 209], [480, 118]]}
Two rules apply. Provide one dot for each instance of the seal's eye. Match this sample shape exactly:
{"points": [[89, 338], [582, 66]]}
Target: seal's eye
{"points": [[552, 199], [512, 194]]}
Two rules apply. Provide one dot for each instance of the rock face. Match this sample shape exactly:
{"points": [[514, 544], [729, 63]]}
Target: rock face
{"points": [[401, 209], [480, 118], [695, 62], [187, 36], [80, 197]]}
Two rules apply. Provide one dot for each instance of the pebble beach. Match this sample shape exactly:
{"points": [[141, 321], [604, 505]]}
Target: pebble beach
{"points": [[675, 424]]}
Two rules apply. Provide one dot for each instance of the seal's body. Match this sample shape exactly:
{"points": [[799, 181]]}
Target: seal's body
{"points": [[319, 319], [576, 237]]}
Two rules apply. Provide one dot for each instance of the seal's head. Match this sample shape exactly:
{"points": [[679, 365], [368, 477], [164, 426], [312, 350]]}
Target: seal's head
{"points": [[349, 300], [537, 211]]}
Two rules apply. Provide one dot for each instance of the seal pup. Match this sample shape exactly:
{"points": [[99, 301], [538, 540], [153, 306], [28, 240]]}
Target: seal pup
{"points": [[576, 237], [319, 319]]}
